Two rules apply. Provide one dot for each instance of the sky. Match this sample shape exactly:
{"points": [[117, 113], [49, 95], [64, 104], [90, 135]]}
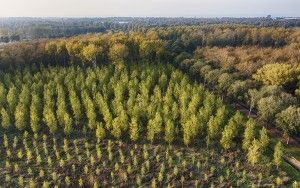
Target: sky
{"points": [[149, 8]]}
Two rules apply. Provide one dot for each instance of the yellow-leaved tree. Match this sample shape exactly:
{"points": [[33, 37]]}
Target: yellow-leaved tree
{"points": [[276, 74], [117, 54]]}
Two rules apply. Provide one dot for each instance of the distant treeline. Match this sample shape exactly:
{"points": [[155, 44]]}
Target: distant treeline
{"points": [[165, 44], [34, 28]]}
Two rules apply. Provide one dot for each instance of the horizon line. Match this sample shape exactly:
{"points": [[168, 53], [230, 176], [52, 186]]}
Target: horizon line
{"points": [[220, 16]]}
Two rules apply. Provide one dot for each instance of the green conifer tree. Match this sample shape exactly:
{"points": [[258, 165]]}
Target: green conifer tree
{"points": [[249, 134], [278, 153]]}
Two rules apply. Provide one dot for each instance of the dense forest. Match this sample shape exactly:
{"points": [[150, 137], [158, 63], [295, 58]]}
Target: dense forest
{"points": [[154, 107], [257, 59]]}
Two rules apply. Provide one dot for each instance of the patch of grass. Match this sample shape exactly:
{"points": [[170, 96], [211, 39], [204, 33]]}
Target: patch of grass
{"points": [[292, 172]]}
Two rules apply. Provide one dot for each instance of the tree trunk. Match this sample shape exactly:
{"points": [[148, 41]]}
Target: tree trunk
{"points": [[250, 111]]}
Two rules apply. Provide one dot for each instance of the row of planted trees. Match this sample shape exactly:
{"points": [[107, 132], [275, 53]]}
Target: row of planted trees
{"points": [[271, 102], [44, 161], [132, 101], [140, 101]]}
